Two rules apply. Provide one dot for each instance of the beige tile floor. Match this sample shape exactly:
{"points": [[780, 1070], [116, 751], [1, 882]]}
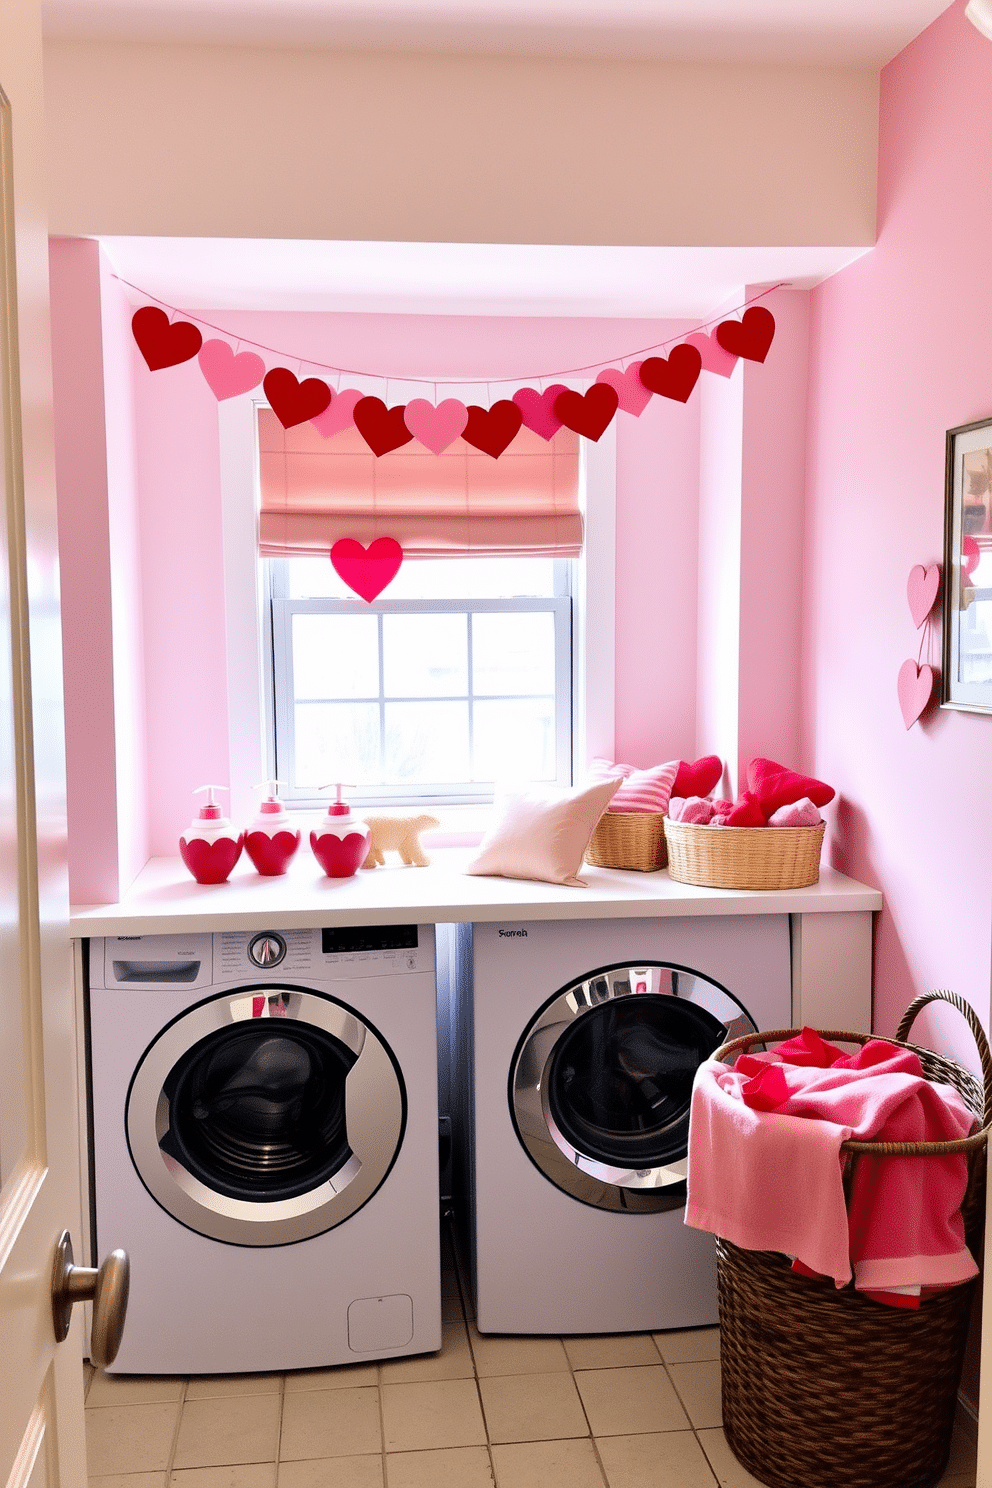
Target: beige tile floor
{"points": [[635, 1411]]}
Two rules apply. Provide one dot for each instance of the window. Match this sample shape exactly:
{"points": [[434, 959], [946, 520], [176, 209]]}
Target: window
{"points": [[461, 674]]}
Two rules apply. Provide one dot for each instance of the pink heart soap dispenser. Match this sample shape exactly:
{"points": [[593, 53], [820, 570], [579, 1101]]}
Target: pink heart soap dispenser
{"points": [[271, 841], [341, 842], [209, 846]]}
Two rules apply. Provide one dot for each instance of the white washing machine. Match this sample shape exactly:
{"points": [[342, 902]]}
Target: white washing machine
{"points": [[265, 1145], [577, 1043]]}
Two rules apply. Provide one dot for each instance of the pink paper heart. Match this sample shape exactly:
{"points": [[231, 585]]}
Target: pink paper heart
{"points": [[633, 395], [921, 591], [367, 570], [339, 413], [227, 374], [436, 427], [538, 409], [915, 686], [715, 357]]}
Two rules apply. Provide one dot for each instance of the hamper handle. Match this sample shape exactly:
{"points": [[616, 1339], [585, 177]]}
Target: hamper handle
{"points": [[941, 994]]}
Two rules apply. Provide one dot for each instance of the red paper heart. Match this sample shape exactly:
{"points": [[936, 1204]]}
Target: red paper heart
{"points": [[914, 687], [492, 429], [675, 377], [271, 855], [339, 857], [922, 587], [367, 570], [698, 778], [382, 428], [750, 336], [538, 409], [588, 413], [163, 344], [210, 862], [295, 402]]}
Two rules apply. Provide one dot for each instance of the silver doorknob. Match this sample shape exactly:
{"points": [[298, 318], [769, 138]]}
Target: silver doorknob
{"points": [[106, 1288]]}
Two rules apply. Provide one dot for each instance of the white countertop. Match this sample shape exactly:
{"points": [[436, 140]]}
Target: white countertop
{"points": [[164, 898]]}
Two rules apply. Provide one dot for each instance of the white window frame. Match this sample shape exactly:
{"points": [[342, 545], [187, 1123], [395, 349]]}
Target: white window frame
{"points": [[248, 700]]}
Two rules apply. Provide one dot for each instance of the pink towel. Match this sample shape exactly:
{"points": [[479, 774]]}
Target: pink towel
{"points": [[797, 814], [765, 1167], [690, 809]]}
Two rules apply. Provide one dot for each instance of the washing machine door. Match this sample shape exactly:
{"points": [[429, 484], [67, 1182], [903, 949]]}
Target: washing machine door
{"points": [[602, 1077], [266, 1115]]}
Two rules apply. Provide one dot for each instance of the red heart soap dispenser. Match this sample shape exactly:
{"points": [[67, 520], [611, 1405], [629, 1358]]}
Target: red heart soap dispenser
{"points": [[209, 846], [341, 842], [271, 841]]}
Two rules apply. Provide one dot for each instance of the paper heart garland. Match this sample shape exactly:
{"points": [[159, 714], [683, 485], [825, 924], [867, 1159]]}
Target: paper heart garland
{"points": [[922, 587], [295, 402], [229, 375], [674, 377], [163, 343], [339, 413], [632, 395], [915, 684], [492, 429], [749, 337], [590, 413], [438, 427], [367, 570], [538, 409], [382, 428]]}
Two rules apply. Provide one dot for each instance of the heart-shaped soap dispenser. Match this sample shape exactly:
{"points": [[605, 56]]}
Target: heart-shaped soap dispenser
{"points": [[210, 847], [341, 841], [271, 841]]}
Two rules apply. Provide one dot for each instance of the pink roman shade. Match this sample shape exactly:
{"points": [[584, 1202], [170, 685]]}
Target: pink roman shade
{"points": [[317, 490]]}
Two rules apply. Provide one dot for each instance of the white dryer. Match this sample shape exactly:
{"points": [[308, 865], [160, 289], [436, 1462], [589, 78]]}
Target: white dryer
{"points": [[576, 1047], [265, 1145]]}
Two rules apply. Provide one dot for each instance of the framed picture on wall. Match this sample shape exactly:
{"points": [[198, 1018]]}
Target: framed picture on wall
{"points": [[967, 648]]}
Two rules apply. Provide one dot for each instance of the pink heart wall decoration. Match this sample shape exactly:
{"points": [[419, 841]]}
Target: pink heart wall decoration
{"points": [[915, 686], [227, 374], [633, 397], [922, 587], [339, 413], [715, 357], [367, 570], [436, 427], [538, 409]]}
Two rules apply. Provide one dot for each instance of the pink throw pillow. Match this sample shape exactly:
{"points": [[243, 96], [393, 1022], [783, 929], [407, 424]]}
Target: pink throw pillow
{"points": [[542, 834], [640, 790]]}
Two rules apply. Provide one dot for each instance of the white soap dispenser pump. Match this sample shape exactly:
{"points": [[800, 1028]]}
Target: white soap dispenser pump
{"points": [[209, 846], [271, 841]]}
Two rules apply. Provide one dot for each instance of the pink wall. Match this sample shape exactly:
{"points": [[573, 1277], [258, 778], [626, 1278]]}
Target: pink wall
{"points": [[900, 353]]}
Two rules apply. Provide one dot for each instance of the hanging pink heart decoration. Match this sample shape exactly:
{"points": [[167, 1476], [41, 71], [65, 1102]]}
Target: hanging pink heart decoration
{"points": [[915, 685], [922, 588], [633, 396], [538, 409], [438, 427], [229, 375], [715, 357], [339, 413], [367, 570]]}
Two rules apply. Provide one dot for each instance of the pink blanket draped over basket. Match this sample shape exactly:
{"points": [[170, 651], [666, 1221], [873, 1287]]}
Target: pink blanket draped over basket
{"points": [[765, 1167]]}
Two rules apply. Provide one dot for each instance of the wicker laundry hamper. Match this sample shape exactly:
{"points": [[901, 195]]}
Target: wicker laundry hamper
{"points": [[744, 857], [822, 1387]]}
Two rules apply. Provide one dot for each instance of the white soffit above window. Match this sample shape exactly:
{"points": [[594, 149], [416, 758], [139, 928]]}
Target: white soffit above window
{"points": [[459, 278], [851, 32]]}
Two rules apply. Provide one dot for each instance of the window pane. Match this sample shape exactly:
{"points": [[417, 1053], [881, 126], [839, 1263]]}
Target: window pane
{"points": [[426, 743], [425, 655], [513, 654], [335, 656], [515, 740], [337, 741]]}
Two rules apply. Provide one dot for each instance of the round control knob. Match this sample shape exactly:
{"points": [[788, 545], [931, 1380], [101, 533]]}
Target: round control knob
{"points": [[267, 949]]}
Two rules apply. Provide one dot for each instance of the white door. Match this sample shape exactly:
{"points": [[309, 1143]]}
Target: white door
{"points": [[41, 1405]]}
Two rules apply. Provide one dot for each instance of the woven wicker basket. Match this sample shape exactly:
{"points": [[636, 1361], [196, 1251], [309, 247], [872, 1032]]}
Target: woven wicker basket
{"points": [[822, 1387], [628, 839], [744, 857]]}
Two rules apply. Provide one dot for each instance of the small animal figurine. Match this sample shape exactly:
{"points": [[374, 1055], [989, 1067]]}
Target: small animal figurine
{"points": [[398, 834]]}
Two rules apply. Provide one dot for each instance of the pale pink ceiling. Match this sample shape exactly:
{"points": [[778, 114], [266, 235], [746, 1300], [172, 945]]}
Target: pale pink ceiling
{"points": [[865, 32]]}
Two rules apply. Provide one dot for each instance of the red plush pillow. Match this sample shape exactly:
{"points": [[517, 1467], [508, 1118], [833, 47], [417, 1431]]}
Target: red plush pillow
{"points": [[775, 786], [699, 778]]}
